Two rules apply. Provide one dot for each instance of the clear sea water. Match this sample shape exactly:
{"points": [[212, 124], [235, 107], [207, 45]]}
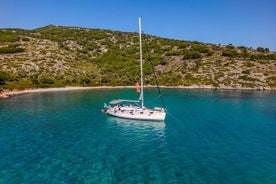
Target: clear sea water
{"points": [[209, 136]]}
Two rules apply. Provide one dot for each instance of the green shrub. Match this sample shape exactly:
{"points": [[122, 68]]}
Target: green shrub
{"points": [[4, 76], [246, 72], [230, 46], [192, 55], [201, 48], [8, 36], [260, 49], [230, 53], [173, 53], [85, 80], [11, 49], [45, 79], [271, 81], [35, 81], [249, 64], [26, 39], [263, 56]]}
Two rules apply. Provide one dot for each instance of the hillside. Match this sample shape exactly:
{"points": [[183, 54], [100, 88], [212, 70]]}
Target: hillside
{"points": [[55, 56]]}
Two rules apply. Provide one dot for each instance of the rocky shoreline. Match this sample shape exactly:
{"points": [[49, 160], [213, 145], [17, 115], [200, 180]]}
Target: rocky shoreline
{"points": [[9, 93]]}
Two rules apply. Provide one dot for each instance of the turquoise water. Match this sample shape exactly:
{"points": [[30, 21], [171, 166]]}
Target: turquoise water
{"points": [[208, 137]]}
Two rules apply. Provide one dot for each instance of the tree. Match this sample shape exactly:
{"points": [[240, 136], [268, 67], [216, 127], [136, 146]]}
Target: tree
{"points": [[4, 76], [260, 49]]}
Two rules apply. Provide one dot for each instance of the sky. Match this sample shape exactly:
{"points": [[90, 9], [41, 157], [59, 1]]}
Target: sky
{"points": [[250, 23]]}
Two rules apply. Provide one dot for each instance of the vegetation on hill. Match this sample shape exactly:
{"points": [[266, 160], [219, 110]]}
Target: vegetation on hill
{"points": [[54, 56]]}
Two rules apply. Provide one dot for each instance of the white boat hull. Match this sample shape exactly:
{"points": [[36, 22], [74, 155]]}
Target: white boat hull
{"points": [[137, 113]]}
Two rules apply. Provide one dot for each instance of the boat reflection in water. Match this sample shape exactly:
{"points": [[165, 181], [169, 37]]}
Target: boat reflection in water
{"points": [[155, 127]]}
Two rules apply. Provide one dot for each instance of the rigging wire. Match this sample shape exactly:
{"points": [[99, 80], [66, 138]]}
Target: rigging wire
{"points": [[155, 76], [157, 84], [175, 118]]}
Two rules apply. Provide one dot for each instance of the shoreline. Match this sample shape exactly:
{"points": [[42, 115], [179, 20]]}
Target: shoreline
{"points": [[9, 93]]}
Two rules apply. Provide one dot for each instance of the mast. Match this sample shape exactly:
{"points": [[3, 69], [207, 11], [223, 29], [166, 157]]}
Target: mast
{"points": [[141, 65]]}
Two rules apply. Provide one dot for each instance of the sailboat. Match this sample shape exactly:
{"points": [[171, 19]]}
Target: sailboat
{"points": [[135, 109]]}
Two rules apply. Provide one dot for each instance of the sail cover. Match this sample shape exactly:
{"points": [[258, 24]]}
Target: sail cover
{"points": [[122, 100]]}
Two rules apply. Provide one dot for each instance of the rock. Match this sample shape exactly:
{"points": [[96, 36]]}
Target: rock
{"points": [[4, 95]]}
